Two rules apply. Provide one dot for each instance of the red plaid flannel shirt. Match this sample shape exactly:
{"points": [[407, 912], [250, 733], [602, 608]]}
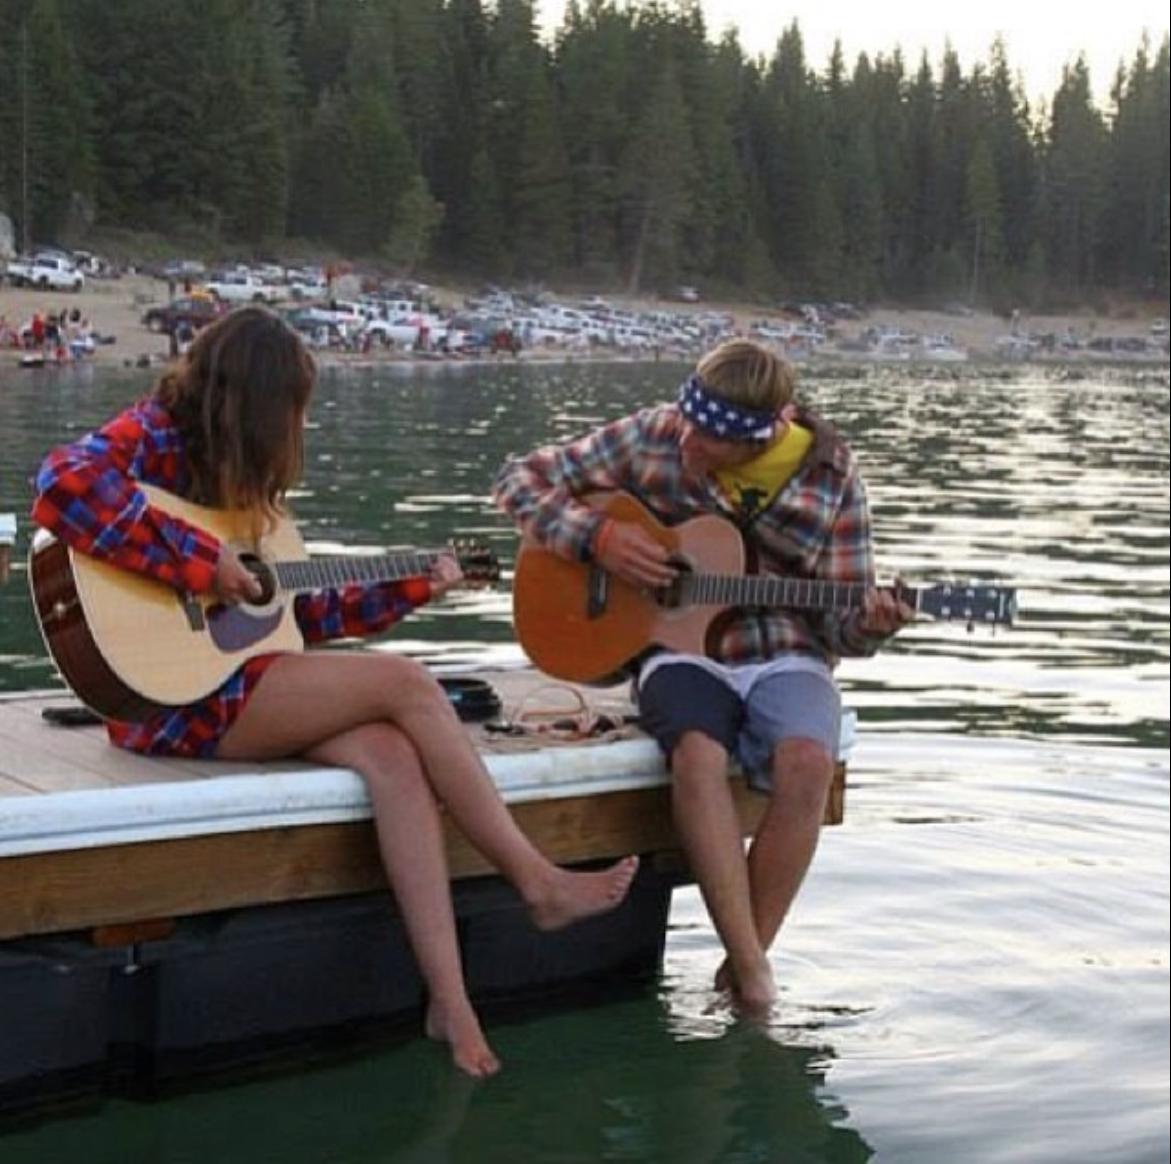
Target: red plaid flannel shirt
{"points": [[87, 495]]}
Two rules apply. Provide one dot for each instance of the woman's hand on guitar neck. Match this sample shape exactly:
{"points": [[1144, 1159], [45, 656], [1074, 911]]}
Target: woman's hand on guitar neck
{"points": [[627, 551], [445, 573]]}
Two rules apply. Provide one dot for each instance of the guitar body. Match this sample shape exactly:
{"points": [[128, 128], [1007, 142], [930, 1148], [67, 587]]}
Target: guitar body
{"points": [[578, 623], [130, 646]]}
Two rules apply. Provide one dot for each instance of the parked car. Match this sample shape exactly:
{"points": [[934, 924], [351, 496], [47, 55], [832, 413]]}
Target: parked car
{"points": [[184, 271], [47, 272], [193, 310], [392, 333], [306, 283], [242, 287]]}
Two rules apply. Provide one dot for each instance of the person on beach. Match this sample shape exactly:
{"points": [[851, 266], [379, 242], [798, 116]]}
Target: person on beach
{"points": [[736, 444], [224, 427]]}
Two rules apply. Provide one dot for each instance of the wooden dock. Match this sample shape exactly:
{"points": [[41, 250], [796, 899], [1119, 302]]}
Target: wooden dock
{"points": [[191, 836], [163, 905]]}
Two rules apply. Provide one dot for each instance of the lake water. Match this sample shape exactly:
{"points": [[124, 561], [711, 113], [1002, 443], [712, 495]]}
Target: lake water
{"points": [[977, 968]]}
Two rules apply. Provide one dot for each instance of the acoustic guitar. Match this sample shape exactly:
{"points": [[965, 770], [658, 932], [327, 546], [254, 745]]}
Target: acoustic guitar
{"points": [[130, 646], [579, 623]]}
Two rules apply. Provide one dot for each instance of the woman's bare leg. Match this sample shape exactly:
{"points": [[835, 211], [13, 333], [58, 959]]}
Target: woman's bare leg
{"points": [[410, 839], [306, 699]]}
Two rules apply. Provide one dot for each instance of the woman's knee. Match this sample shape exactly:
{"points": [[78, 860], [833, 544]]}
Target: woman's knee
{"points": [[402, 678]]}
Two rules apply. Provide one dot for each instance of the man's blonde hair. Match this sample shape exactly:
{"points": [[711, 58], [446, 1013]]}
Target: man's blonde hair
{"points": [[747, 373]]}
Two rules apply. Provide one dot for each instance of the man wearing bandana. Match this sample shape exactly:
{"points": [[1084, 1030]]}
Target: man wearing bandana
{"points": [[734, 443]]}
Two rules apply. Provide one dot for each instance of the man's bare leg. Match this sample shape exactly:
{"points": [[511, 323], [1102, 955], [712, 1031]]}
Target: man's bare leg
{"points": [[709, 828], [786, 839]]}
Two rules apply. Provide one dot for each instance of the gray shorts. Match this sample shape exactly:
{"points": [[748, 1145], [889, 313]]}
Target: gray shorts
{"points": [[687, 696]]}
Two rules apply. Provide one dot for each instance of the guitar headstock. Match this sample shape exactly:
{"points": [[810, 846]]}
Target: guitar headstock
{"points": [[477, 562], [957, 602]]}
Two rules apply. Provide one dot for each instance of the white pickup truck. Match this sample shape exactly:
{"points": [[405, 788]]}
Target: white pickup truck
{"points": [[45, 273], [242, 287]]}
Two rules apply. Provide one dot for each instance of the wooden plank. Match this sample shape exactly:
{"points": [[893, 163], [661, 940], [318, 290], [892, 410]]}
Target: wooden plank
{"points": [[52, 892], [49, 758], [44, 893]]}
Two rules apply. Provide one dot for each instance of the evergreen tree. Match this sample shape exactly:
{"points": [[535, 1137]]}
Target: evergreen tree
{"points": [[56, 168], [1134, 224], [526, 146], [983, 206], [790, 164], [417, 217], [595, 69], [656, 180], [1075, 182]]}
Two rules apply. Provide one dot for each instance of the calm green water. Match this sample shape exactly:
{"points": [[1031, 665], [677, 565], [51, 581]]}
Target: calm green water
{"points": [[977, 969]]}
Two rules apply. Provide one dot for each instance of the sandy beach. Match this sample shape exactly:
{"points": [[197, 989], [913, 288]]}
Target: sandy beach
{"points": [[114, 308]]}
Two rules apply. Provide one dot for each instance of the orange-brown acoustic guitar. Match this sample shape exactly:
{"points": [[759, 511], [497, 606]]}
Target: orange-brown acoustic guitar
{"points": [[577, 622], [129, 646]]}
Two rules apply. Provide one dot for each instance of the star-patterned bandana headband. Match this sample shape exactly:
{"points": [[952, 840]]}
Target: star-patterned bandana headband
{"points": [[721, 418]]}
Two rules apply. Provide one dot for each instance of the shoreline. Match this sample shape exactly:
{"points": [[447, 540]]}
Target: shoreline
{"points": [[114, 307]]}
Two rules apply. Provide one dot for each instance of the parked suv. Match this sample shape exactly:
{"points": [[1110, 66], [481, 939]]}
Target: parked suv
{"points": [[195, 310]]}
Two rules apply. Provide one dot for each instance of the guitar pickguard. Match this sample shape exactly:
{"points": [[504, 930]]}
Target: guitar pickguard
{"points": [[236, 628]]}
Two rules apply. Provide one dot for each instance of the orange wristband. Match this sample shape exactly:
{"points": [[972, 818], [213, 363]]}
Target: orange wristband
{"points": [[605, 530]]}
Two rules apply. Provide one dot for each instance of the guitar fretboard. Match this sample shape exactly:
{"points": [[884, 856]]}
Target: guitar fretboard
{"points": [[295, 577], [758, 590], [989, 604]]}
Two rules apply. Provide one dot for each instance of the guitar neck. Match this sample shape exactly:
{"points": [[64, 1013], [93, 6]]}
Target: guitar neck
{"points": [[945, 600], [762, 590], [297, 577]]}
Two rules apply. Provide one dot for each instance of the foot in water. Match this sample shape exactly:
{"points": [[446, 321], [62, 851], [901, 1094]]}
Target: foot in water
{"points": [[459, 1027], [568, 897], [752, 992]]}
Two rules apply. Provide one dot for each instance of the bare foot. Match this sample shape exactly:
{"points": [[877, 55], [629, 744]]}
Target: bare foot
{"points": [[752, 989], [724, 982], [570, 897], [459, 1027]]}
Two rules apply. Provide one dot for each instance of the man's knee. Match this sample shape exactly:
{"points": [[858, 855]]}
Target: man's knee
{"points": [[697, 751], [802, 770], [804, 756]]}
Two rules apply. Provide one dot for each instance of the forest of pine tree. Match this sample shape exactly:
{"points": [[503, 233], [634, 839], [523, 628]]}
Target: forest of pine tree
{"points": [[628, 150]]}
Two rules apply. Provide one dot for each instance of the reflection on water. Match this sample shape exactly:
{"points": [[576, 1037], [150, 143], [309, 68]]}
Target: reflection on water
{"points": [[572, 1095]]}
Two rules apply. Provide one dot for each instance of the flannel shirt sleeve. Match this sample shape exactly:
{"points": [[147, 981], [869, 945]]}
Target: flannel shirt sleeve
{"points": [[849, 557], [358, 611], [540, 490], [87, 495]]}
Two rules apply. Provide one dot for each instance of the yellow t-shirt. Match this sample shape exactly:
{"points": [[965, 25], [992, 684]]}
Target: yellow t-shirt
{"points": [[751, 486]]}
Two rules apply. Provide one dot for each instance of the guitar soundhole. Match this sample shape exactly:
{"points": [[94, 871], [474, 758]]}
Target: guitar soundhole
{"points": [[259, 570]]}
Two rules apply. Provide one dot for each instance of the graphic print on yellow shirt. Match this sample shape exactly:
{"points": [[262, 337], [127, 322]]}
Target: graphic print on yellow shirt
{"points": [[751, 486]]}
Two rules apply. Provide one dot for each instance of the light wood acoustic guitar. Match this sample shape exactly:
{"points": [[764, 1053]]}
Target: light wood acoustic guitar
{"points": [[130, 646], [579, 623]]}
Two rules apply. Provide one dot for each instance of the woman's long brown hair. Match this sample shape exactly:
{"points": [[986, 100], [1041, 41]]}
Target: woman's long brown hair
{"points": [[239, 396]]}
